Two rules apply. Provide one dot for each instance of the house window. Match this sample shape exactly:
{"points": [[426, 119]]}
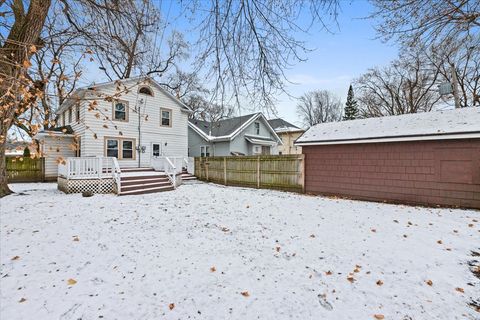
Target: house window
{"points": [[165, 117], [257, 127], [120, 111], [69, 115], [146, 90], [204, 151], [120, 148], [77, 113], [156, 150], [112, 148], [127, 149]]}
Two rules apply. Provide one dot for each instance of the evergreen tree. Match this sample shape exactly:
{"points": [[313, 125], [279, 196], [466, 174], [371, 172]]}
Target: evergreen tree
{"points": [[26, 152], [351, 109]]}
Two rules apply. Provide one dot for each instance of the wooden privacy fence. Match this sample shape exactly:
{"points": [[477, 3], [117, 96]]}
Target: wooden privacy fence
{"points": [[20, 169], [283, 172]]}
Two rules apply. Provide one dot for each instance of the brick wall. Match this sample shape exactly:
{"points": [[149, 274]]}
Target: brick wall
{"points": [[443, 173]]}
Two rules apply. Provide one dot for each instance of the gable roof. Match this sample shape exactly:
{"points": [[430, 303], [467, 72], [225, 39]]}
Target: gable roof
{"points": [[434, 125], [226, 129], [80, 92], [280, 125]]}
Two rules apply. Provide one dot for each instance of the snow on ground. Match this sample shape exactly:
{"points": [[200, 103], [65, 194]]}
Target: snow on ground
{"points": [[191, 253]]}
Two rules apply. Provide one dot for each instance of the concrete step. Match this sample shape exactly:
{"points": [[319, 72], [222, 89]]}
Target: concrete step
{"points": [[146, 190]]}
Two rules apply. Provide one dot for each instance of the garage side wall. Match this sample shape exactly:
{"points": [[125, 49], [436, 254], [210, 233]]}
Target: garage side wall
{"points": [[439, 172]]}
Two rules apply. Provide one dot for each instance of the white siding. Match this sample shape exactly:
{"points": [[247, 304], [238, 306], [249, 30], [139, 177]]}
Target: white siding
{"points": [[176, 136], [55, 147]]}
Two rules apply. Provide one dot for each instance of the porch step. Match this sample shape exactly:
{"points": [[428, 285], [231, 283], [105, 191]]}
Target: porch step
{"points": [[187, 176], [136, 169], [146, 190], [143, 180]]}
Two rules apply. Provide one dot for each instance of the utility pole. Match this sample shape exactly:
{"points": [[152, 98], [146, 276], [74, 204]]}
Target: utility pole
{"points": [[455, 87]]}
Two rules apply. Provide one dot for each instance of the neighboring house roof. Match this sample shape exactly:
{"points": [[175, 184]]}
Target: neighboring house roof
{"points": [[448, 124], [80, 92], [227, 129], [280, 126]]}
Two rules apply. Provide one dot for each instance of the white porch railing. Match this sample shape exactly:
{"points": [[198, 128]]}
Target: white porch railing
{"points": [[166, 165], [89, 168]]}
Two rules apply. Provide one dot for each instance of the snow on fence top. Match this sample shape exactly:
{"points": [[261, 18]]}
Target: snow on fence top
{"points": [[448, 124]]}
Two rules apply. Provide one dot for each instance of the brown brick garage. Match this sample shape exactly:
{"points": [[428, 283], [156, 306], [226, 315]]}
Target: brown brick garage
{"points": [[440, 172]]}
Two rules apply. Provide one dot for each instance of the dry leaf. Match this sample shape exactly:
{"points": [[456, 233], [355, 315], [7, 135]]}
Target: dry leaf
{"points": [[328, 273], [439, 242], [312, 236], [245, 293], [278, 249], [225, 229], [351, 278], [379, 283], [470, 225], [27, 64], [379, 316], [71, 282], [373, 230], [15, 258], [75, 238], [460, 290], [33, 49], [213, 269], [171, 306], [356, 270], [22, 300], [429, 282]]}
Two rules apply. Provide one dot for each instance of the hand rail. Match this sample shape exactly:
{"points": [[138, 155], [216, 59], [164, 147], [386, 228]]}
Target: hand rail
{"points": [[171, 174], [116, 174]]}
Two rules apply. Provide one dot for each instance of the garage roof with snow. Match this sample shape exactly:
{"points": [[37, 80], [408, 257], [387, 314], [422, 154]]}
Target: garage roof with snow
{"points": [[436, 125]]}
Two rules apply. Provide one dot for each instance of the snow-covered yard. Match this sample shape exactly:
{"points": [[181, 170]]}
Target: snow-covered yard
{"points": [[206, 251]]}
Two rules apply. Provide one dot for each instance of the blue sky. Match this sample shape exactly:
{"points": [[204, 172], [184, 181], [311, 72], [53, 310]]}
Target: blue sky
{"points": [[336, 58]]}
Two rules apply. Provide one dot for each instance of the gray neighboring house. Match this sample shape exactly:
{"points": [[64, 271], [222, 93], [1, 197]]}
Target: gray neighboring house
{"points": [[246, 135]]}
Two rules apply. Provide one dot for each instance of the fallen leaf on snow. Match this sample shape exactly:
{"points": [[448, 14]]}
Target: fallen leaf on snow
{"points": [[312, 236], [71, 282], [373, 230], [225, 229], [245, 293], [439, 242], [460, 290], [379, 282], [379, 316], [15, 258], [171, 306], [328, 273], [429, 282], [213, 269], [22, 300], [277, 248], [351, 278], [75, 238]]}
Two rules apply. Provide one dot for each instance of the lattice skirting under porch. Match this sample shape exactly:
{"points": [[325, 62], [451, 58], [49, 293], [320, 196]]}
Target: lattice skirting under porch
{"points": [[92, 185]]}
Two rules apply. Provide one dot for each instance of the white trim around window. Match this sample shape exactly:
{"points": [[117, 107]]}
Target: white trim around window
{"points": [[120, 148]]}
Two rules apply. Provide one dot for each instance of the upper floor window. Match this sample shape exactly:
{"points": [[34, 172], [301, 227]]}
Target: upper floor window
{"points": [[146, 90], [165, 117], [120, 110], [257, 127]]}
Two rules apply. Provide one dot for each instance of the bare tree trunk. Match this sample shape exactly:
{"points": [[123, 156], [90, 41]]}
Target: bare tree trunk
{"points": [[16, 50]]}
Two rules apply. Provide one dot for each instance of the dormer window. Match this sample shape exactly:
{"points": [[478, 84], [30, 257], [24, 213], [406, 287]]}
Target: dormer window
{"points": [[146, 90]]}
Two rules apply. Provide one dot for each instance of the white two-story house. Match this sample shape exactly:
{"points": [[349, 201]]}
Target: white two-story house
{"points": [[135, 121]]}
